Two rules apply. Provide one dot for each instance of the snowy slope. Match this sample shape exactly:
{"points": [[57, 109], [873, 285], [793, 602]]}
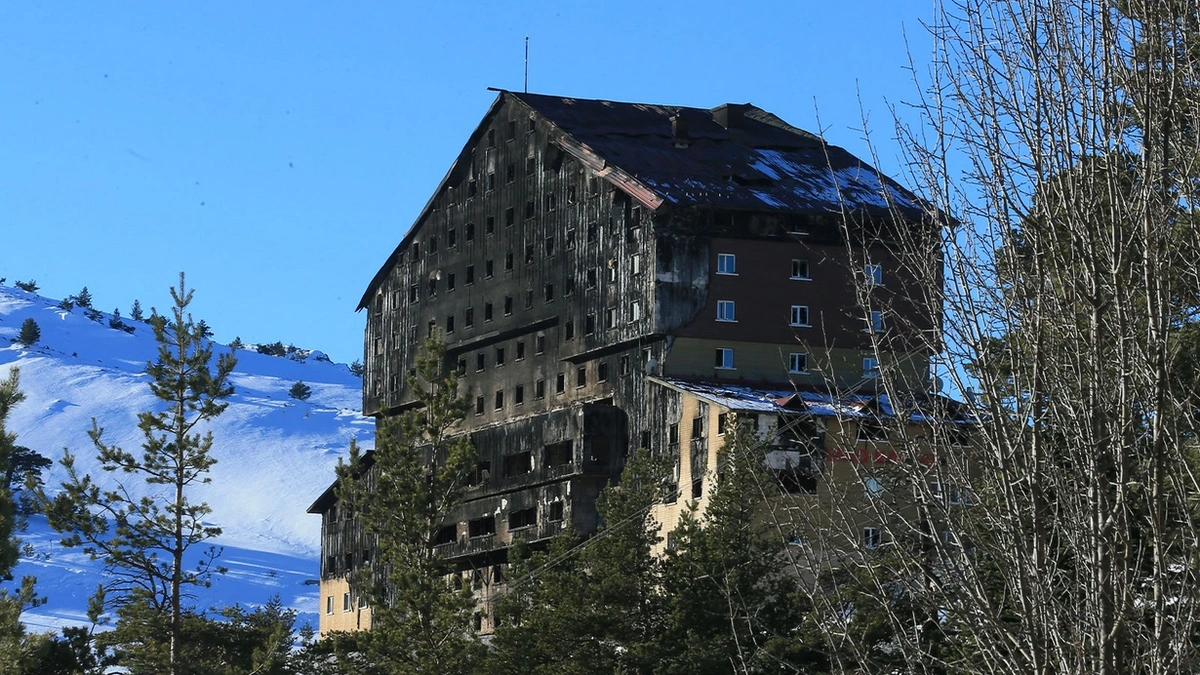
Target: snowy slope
{"points": [[275, 455]]}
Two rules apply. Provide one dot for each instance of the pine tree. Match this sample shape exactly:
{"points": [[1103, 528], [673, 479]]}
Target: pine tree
{"points": [[13, 640], [600, 609], [419, 623], [144, 541], [84, 298], [300, 391], [30, 333], [135, 312], [27, 286], [357, 368], [732, 606]]}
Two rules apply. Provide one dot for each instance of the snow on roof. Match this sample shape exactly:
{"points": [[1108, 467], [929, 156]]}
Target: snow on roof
{"points": [[820, 404]]}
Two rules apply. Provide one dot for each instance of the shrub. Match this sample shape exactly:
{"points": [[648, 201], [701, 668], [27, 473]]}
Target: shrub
{"points": [[27, 286], [300, 391], [30, 333], [67, 304], [272, 349]]}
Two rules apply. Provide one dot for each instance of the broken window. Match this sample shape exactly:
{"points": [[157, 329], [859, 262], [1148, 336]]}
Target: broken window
{"points": [[589, 324], [518, 464], [487, 311], [489, 268], [469, 317], [508, 260], [499, 399], [560, 384], [482, 527], [520, 350], [539, 344], [479, 361], [558, 454], [509, 217], [447, 534], [450, 281], [569, 330], [452, 238], [522, 518], [539, 389], [673, 434], [581, 376], [602, 371], [499, 356], [549, 246], [555, 512], [470, 274], [519, 395], [478, 405], [549, 292], [797, 480], [470, 231], [491, 225]]}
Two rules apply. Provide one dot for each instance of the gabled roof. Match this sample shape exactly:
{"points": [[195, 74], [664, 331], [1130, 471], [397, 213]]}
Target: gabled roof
{"points": [[734, 156]]}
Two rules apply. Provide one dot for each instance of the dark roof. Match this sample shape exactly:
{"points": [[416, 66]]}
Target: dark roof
{"points": [[734, 156]]}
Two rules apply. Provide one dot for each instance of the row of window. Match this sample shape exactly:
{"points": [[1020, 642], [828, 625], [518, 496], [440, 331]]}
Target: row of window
{"points": [[727, 265], [549, 244], [499, 397], [798, 317], [591, 276], [486, 526], [797, 362]]}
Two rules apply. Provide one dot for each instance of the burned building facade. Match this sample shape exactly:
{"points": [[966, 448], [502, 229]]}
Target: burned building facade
{"points": [[577, 252]]}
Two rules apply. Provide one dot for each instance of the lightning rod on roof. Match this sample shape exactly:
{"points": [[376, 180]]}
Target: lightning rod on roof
{"points": [[526, 64]]}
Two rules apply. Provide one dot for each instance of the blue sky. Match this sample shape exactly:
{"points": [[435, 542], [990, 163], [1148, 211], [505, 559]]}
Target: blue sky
{"points": [[277, 152]]}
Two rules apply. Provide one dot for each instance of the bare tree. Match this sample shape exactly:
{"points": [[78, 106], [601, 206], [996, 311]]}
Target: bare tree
{"points": [[1057, 149]]}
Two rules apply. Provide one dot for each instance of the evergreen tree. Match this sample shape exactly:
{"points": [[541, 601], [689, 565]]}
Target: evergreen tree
{"points": [[600, 610], [145, 541], [357, 368], [733, 606], [116, 322], [135, 312], [30, 333], [419, 622], [300, 391], [13, 639], [84, 298], [27, 286]]}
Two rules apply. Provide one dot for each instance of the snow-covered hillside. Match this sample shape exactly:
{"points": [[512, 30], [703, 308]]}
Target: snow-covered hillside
{"points": [[275, 455]]}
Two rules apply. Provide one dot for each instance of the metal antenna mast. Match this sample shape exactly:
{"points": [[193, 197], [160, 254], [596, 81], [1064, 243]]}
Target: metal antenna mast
{"points": [[526, 64]]}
